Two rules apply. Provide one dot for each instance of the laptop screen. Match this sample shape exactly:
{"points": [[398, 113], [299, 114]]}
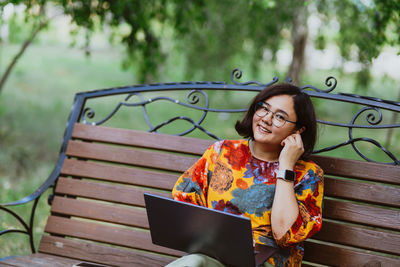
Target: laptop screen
{"points": [[194, 229]]}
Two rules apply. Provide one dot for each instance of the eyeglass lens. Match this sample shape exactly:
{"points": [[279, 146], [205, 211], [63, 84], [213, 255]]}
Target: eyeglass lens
{"points": [[277, 119]]}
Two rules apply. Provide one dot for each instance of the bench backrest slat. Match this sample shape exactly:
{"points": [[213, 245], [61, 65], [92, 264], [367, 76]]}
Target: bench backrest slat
{"points": [[357, 169], [129, 156], [101, 191], [101, 212], [360, 237], [140, 139], [362, 214], [118, 174], [377, 194], [332, 255], [105, 233]]}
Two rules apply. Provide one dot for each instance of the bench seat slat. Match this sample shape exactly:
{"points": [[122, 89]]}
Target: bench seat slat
{"points": [[129, 156], [363, 214], [372, 193], [359, 237], [120, 174], [86, 251], [333, 255], [99, 211], [141, 139], [108, 234], [38, 260], [358, 169], [100, 191]]}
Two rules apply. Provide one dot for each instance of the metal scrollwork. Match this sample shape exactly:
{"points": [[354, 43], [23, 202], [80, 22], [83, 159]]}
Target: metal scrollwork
{"points": [[237, 73], [373, 118], [330, 82], [192, 98], [197, 99]]}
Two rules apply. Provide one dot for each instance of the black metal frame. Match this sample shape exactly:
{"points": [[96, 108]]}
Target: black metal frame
{"points": [[81, 113]]}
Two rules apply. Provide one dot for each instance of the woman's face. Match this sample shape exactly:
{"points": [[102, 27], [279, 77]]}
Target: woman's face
{"points": [[264, 128]]}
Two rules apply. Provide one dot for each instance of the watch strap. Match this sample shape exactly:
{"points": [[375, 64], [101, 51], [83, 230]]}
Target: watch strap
{"points": [[287, 175]]}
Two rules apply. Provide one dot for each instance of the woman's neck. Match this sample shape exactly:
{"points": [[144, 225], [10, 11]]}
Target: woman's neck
{"points": [[263, 152]]}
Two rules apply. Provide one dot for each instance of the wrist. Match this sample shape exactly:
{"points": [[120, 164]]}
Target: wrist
{"points": [[286, 166], [288, 175]]}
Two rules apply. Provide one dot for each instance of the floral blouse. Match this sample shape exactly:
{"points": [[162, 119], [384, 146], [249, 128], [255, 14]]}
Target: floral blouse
{"points": [[228, 178]]}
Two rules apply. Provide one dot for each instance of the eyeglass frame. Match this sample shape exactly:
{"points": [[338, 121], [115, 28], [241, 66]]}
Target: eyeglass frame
{"points": [[260, 105]]}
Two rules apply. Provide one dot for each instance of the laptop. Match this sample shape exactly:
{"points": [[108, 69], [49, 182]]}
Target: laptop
{"points": [[195, 229]]}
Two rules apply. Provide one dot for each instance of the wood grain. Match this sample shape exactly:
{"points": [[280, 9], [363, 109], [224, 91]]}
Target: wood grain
{"points": [[93, 252], [123, 155], [363, 214], [100, 191], [112, 235], [367, 192], [340, 256], [119, 174], [141, 139], [100, 211], [361, 237], [39, 260], [359, 169]]}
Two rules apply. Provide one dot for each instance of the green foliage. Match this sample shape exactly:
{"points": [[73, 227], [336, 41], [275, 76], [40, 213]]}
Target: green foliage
{"points": [[213, 36]]}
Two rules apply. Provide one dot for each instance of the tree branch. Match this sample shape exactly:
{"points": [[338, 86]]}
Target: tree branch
{"points": [[21, 51]]}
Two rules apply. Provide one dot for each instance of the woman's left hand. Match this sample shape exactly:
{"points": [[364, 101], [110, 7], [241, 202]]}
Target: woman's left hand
{"points": [[291, 152]]}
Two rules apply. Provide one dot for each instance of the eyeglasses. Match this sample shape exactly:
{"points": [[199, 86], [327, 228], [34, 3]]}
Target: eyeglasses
{"points": [[278, 118]]}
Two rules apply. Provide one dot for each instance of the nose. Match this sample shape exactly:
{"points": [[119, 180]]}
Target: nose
{"points": [[268, 118]]}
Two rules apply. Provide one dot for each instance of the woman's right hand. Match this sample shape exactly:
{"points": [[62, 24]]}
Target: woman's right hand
{"points": [[291, 152]]}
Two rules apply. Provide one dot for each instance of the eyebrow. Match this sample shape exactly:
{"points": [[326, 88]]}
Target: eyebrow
{"points": [[279, 110]]}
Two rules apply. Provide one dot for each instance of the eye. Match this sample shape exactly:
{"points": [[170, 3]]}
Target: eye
{"points": [[280, 117]]}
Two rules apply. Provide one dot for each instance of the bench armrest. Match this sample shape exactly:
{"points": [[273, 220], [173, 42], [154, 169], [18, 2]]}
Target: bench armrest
{"points": [[27, 226]]}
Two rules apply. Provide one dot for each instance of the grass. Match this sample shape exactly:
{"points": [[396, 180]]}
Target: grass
{"points": [[34, 108], [36, 100]]}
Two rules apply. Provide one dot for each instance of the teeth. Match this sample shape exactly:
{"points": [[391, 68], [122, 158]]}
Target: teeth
{"points": [[264, 129]]}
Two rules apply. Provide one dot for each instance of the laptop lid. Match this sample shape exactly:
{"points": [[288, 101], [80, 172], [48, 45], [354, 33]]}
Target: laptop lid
{"points": [[195, 229]]}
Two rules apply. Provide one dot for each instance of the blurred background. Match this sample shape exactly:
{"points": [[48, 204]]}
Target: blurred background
{"points": [[51, 49]]}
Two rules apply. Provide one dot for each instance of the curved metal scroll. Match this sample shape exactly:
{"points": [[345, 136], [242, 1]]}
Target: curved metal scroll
{"points": [[330, 82], [373, 122], [237, 73], [28, 228]]}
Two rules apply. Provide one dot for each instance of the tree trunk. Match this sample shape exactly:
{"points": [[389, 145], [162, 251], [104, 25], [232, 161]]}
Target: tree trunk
{"points": [[299, 41], [19, 54]]}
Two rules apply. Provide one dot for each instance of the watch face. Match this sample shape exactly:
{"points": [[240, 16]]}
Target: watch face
{"points": [[289, 175]]}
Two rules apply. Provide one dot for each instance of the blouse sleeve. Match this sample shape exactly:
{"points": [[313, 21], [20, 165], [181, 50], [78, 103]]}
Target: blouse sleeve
{"points": [[192, 185], [309, 193]]}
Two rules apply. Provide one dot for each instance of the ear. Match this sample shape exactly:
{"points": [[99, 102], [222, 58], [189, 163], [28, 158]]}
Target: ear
{"points": [[302, 129]]}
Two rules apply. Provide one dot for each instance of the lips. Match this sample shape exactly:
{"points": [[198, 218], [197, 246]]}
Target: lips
{"points": [[263, 129]]}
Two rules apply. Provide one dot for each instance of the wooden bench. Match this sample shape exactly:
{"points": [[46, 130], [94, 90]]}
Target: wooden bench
{"points": [[97, 206]]}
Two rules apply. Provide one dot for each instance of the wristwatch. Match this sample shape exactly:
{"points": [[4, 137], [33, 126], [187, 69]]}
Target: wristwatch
{"points": [[287, 175]]}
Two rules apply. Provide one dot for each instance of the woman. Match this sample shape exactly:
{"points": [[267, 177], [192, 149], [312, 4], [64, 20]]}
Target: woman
{"points": [[266, 177]]}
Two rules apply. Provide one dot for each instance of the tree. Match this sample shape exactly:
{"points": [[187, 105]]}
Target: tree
{"points": [[36, 15], [364, 28], [212, 35]]}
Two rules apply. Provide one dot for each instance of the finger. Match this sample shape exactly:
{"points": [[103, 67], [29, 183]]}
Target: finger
{"points": [[299, 142]]}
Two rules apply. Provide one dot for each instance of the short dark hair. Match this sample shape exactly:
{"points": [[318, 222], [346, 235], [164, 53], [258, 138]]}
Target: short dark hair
{"points": [[302, 105]]}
